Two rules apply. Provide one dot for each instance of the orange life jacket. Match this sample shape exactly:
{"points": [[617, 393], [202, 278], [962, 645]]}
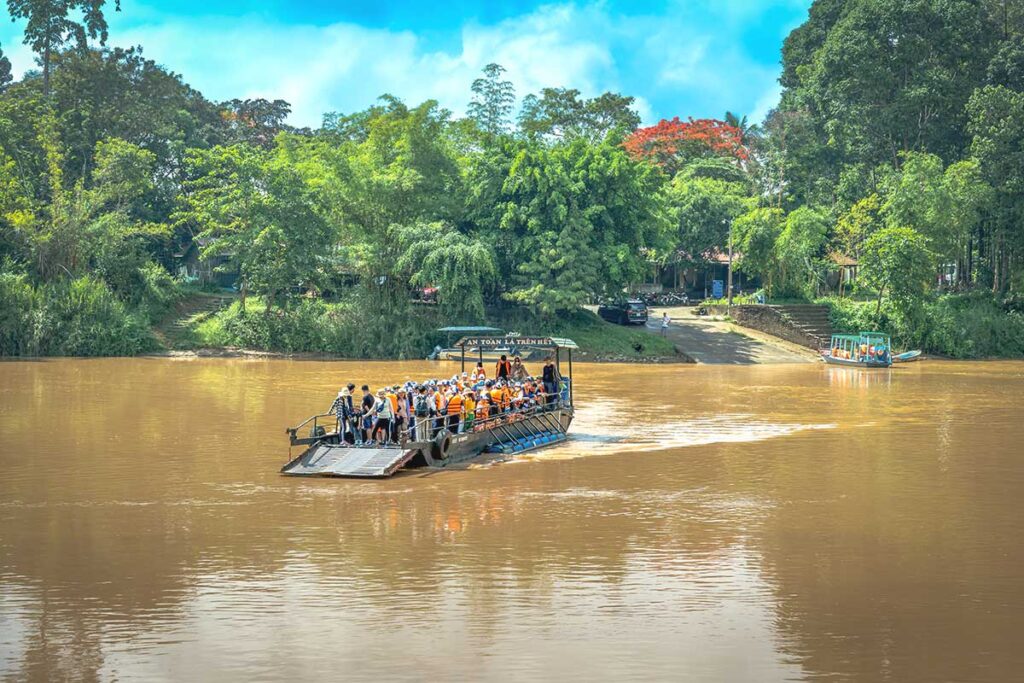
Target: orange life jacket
{"points": [[503, 364], [482, 408], [455, 405]]}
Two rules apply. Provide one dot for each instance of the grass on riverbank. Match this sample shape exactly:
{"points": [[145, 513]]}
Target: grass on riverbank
{"points": [[347, 331], [969, 325]]}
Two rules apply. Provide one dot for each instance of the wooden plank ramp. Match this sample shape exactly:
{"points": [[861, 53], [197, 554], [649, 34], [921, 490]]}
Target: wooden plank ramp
{"points": [[330, 460]]}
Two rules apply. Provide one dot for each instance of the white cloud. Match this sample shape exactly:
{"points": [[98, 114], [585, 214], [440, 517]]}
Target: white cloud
{"points": [[679, 63]]}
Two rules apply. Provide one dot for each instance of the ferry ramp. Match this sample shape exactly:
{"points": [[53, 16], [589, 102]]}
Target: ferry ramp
{"points": [[330, 460], [718, 342]]}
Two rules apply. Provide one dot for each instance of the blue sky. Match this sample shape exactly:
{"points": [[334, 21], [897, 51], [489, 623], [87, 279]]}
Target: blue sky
{"points": [[677, 57]]}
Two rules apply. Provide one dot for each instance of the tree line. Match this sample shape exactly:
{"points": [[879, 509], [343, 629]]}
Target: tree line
{"points": [[897, 143]]}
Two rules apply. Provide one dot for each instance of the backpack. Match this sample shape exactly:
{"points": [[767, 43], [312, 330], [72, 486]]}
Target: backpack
{"points": [[422, 407]]}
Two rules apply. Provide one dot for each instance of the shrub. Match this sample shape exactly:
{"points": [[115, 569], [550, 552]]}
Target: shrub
{"points": [[971, 325], [17, 301]]}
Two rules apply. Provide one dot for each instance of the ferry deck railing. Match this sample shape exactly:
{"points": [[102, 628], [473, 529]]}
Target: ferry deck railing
{"points": [[506, 422]]}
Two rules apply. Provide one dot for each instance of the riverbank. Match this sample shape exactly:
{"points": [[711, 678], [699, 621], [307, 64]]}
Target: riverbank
{"points": [[322, 330]]}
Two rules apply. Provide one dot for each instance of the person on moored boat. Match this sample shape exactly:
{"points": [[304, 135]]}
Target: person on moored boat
{"points": [[503, 368], [519, 372]]}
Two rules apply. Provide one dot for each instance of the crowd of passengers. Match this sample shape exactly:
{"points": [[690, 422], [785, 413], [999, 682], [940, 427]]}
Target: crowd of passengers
{"points": [[420, 411]]}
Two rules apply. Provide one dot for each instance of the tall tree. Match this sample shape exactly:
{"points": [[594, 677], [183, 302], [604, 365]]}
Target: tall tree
{"points": [[493, 100], [50, 25], [256, 121], [673, 144], [259, 207], [5, 71], [561, 114], [577, 219]]}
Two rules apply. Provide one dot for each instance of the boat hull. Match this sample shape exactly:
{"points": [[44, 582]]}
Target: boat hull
{"points": [[850, 363], [331, 458], [907, 357]]}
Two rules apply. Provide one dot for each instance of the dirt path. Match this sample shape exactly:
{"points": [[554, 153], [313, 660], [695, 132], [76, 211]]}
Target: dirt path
{"points": [[715, 341]]}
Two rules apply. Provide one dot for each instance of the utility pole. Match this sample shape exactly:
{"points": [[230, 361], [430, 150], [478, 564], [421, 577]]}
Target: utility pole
{"points": [[730, 261]]}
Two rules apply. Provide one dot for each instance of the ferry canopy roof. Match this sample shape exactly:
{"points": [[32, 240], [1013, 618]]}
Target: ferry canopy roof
{"points": [[486, 342], [469, 330]]}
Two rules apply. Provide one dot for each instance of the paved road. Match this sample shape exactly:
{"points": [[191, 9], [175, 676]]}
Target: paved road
{"points": [[723, 343]]}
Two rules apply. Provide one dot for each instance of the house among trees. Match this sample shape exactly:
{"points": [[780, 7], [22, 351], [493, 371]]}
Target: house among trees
{"points": [[190, 266], [844, 272], [681, 271]]}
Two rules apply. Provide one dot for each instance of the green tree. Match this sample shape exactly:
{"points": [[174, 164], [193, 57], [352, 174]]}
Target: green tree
{"points": [[561, 114], [257, 207], [971, 198], [858, 223], [997, 124], [50, 24], [898, 262], [256, 122], [459, 266], [755, 234], [704, 199], [576, 219], [916, 198], [5, 71], [493, 100], [799, 250]]}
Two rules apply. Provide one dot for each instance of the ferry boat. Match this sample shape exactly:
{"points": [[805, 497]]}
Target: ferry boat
{"points": [[862, 350], [326, 453]]}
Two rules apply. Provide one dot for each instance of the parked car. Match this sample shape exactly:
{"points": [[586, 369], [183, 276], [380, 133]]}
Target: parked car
{"points": [[625, 312], [427, 295]]}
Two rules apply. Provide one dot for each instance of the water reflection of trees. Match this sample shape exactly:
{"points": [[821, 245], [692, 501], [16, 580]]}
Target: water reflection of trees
{"points": [[893, 558]]}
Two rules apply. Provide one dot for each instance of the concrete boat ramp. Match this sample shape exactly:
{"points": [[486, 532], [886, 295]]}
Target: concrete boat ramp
{"points": [[718, 342]]}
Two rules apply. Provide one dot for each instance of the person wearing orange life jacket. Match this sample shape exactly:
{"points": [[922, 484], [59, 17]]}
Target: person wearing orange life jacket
{"points": [[454, 408], [483, 408], [493, 392], [503, 369], [479, 374], [506, 398]]}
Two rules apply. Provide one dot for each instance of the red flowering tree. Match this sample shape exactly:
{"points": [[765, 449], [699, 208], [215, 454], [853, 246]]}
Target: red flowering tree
{"points": [[671, 144]]}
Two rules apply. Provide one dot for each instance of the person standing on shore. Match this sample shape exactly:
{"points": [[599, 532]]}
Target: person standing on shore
{"points": [[665, 320]]}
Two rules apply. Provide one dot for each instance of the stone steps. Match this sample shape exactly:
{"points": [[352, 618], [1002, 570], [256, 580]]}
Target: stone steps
{"points": [[176, 326], [811, 319]]}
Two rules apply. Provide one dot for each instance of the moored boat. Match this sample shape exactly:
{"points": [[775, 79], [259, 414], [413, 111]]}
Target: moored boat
{"points": [[907, 356], [862, 350], [534, 424]]}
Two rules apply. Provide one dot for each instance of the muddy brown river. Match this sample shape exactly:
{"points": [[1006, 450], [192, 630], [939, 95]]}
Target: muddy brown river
{"points": [[754, 523]]}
